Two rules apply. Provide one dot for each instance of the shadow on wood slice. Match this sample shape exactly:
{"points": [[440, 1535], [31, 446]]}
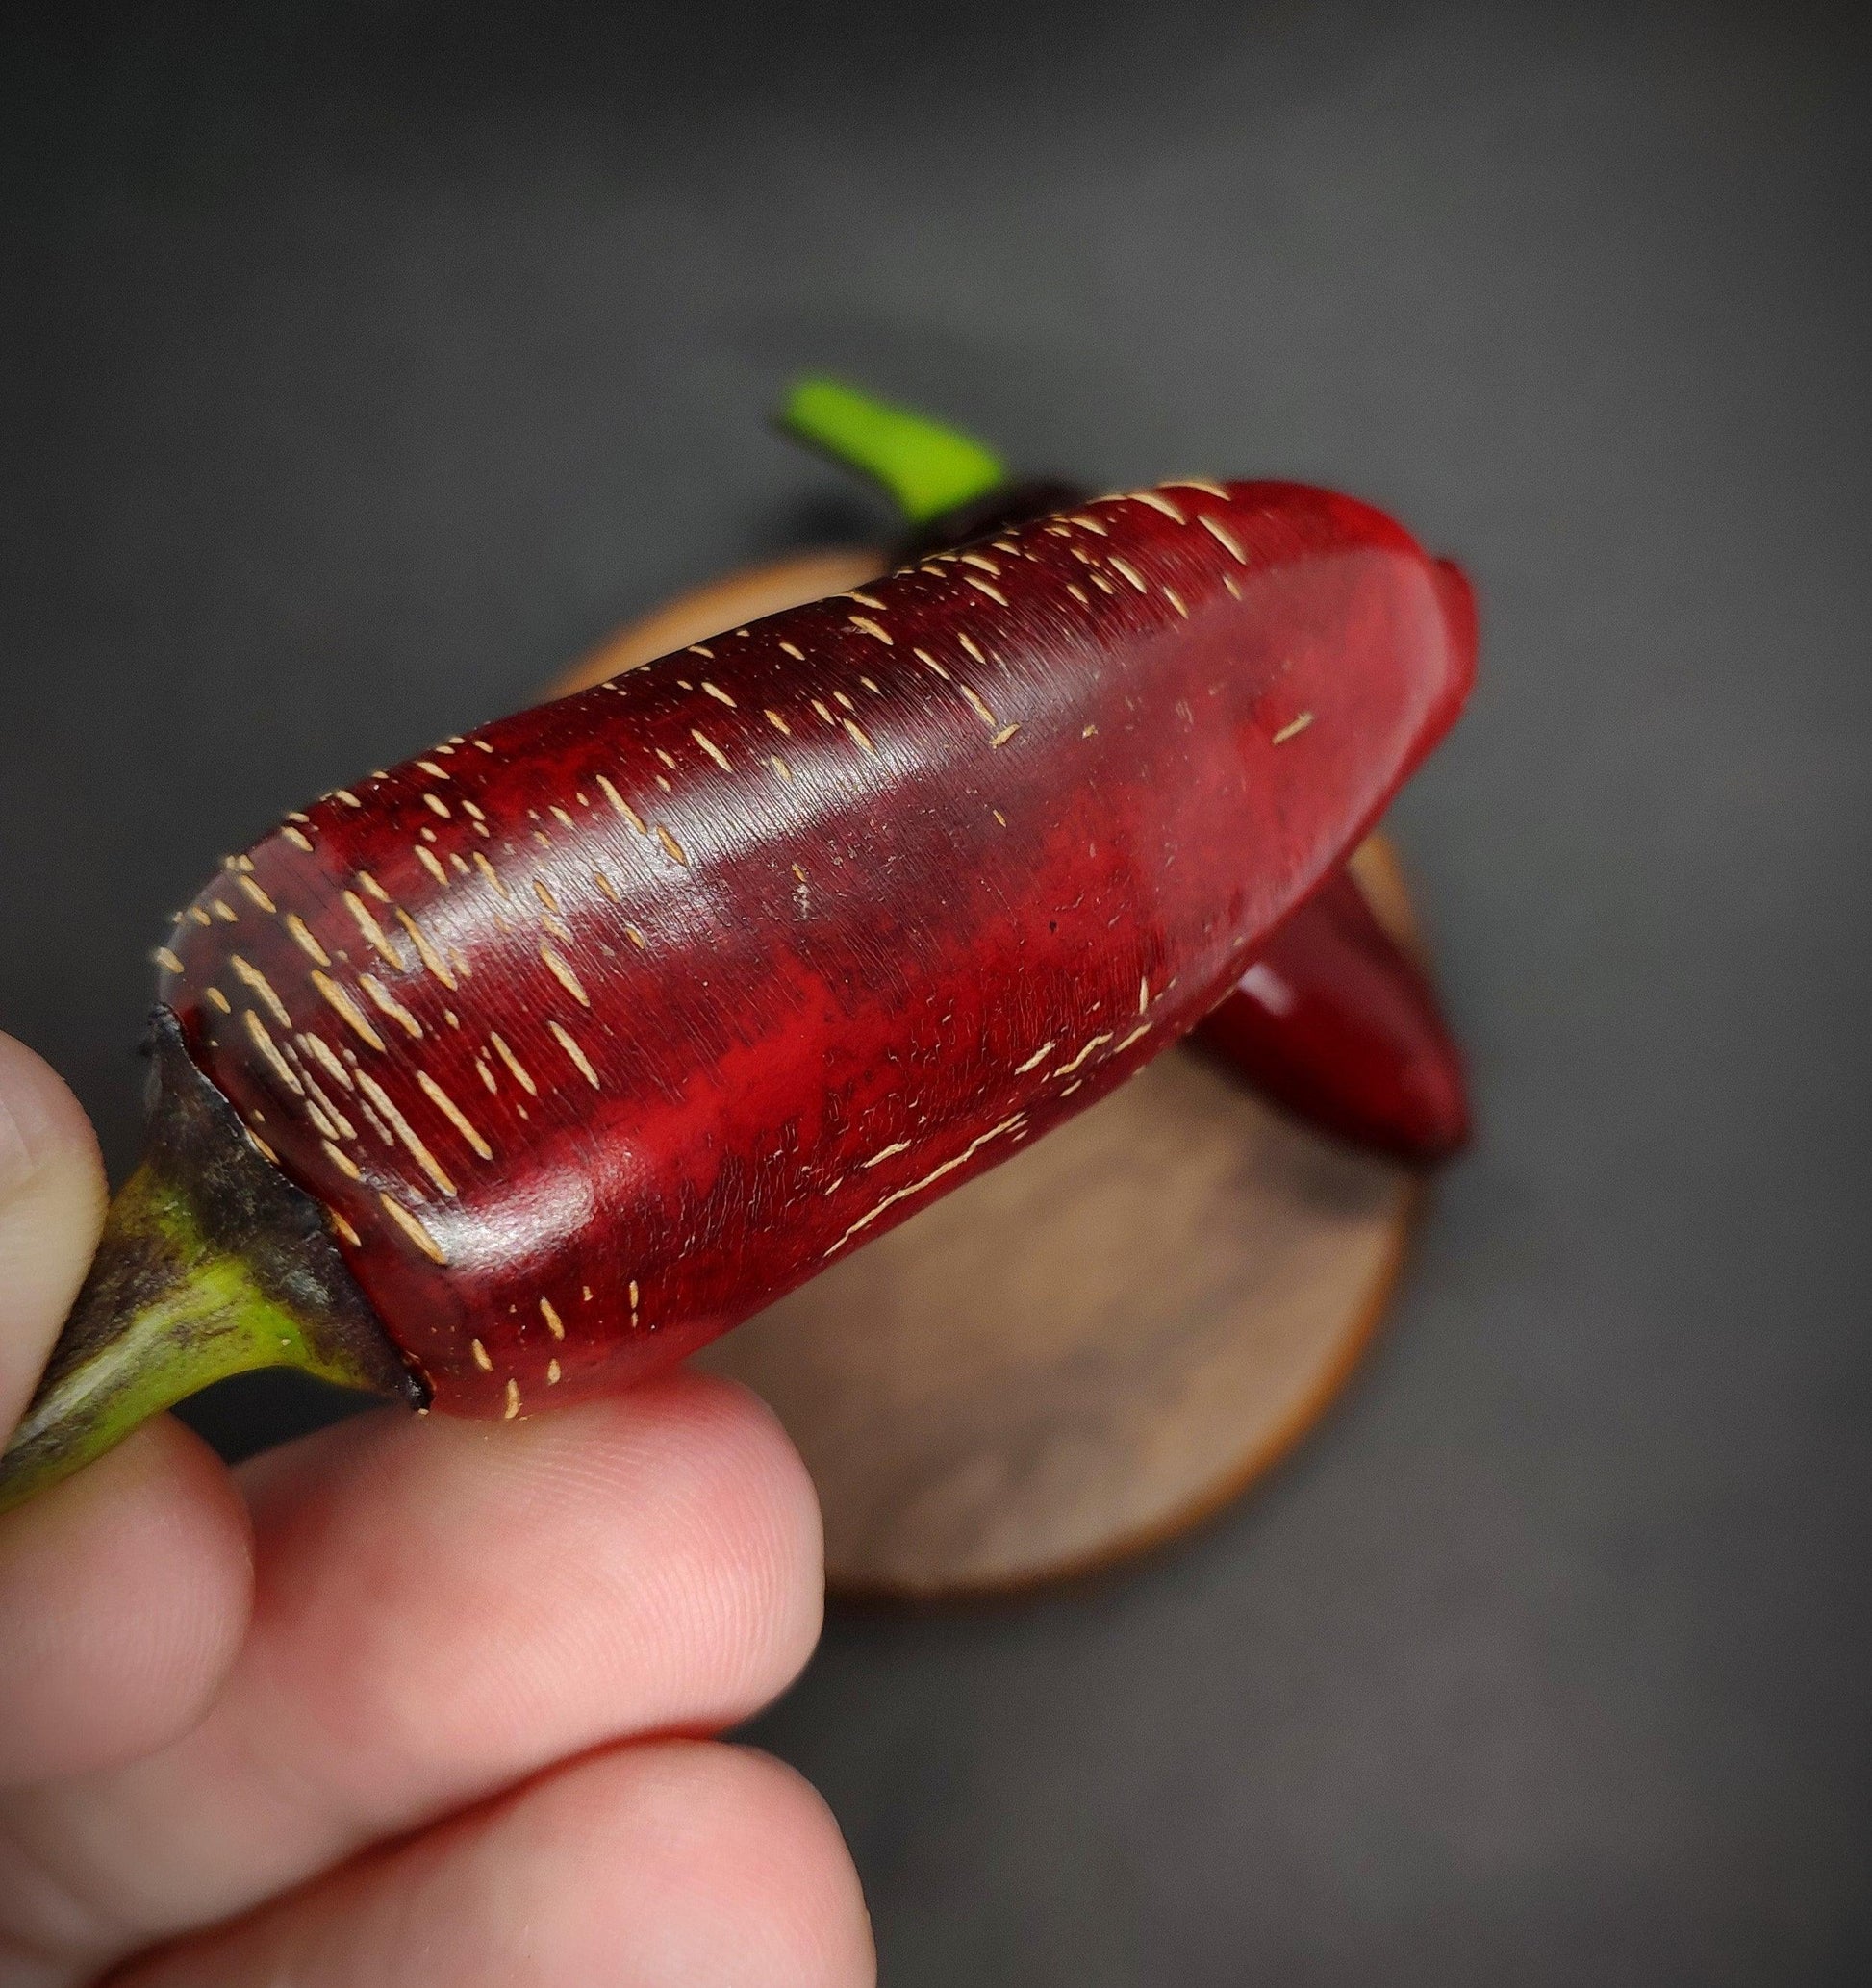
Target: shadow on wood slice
{"points": [[1092, 1347]]}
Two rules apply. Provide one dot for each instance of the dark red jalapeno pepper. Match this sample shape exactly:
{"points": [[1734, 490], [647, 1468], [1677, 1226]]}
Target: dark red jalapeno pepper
{"points": [[520, 1072]]}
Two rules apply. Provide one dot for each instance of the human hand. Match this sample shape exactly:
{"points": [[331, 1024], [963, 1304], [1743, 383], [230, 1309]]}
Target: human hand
{"points": [[407, 1702]]}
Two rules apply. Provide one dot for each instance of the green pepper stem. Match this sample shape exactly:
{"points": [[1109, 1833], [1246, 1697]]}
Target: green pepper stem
{"points": [[925, 468], [201, 1317], [210, 1264]]}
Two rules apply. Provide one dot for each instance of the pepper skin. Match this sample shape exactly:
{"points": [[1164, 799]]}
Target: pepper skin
{"points": [[1333, 1020], [1348, 1033]]}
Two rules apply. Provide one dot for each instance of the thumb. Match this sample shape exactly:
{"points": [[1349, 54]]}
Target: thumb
{"points": [[123, 1595], [52, 1196]]}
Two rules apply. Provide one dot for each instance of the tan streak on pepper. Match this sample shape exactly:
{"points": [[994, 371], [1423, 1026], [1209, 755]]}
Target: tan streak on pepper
{"points": [[407, 1133], [453, 1112]]}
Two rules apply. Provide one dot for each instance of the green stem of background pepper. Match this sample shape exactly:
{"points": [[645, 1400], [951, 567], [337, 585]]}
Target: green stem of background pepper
{"points": [[925, 468]]}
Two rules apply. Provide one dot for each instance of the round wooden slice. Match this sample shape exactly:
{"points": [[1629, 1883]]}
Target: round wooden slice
{"points": [[1096, 1344]]}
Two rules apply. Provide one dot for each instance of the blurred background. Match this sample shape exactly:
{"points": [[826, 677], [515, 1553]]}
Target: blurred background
{"points": [[364, 363]]}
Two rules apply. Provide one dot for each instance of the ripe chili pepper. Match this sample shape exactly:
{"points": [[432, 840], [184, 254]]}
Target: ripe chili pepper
{"points": [[520, 1072], [1334, 1019]]}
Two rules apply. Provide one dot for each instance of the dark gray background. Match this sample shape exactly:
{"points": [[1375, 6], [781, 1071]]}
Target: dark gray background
{"points": [[361, 366]]}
